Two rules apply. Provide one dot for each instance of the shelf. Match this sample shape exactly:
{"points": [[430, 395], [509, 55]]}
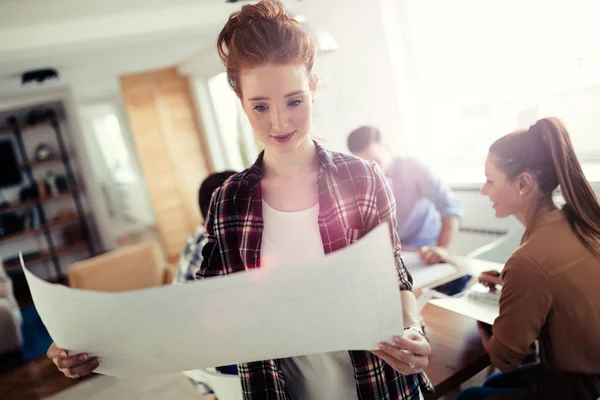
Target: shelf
{"points": [[7, 129], [32, 203], [33, 164], [39, 229], [45, 255]]}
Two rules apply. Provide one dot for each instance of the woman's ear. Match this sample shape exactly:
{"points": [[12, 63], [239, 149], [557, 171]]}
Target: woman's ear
{"points": [[525, 183]]}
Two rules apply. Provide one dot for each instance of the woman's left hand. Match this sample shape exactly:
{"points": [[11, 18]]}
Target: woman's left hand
{"points": [[408, 354]]}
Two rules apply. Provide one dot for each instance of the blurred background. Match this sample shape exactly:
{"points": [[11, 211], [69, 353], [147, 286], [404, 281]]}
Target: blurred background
{"points": [[114, 111]]}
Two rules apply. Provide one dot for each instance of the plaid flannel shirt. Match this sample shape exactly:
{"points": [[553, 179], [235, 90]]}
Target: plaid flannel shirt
{"points": [[354, 198], [190, 259]]}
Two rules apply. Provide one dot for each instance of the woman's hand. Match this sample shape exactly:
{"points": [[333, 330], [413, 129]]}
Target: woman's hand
{"points": [[74, 366], [490, 279], [408, 354], [434, 255]]}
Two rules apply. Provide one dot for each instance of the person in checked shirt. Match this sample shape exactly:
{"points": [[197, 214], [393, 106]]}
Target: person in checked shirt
{"points": [[300, 201]]}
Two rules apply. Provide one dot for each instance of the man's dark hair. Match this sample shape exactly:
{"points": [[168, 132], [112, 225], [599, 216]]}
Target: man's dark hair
{"points": [[208, 186], [362, 137]]}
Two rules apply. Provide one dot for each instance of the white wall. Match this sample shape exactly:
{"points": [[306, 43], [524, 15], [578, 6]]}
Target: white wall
{"points": [[359, 80]]}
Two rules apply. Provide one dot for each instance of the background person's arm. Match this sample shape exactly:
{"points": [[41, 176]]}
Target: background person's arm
{"points": [[440, 194], [439, 254], [450, 226], [434, 189]]}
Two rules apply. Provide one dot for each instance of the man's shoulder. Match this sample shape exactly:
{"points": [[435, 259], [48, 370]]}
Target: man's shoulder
{"points": [[197, 235], [195, 239]]}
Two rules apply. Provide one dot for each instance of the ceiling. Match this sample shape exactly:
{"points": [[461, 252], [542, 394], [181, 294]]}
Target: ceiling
{"points": [[100, 64], [32, 12], [98, 40]]}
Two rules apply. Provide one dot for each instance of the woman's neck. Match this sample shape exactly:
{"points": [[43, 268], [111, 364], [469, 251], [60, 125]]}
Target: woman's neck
{"points": [[303, 159], [534, 211]]}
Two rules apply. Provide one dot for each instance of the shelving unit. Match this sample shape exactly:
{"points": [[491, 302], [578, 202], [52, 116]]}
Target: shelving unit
{"points": [[33, 164], [45, 255], [53, 251], [40, 229], [31, 204]]}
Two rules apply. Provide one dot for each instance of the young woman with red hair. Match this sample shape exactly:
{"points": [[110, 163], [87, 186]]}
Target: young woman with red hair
{"points": [[302, 201]]}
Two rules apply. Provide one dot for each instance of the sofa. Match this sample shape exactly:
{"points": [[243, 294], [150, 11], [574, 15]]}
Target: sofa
{"points": [[10, 316]]}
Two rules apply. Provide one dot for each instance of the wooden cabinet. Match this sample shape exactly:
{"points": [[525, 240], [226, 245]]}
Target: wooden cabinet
{"points": [[171, 150]]}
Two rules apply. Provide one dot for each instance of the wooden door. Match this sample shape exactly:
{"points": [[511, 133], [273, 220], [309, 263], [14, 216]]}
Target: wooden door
{"points": [[171, 150]]}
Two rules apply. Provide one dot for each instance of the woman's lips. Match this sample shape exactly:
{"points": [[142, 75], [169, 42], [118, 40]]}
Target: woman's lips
{"points": [[284, 138]]}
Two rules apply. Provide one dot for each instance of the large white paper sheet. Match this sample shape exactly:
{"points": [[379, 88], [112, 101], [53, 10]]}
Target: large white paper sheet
{"points": [[423, 274], [477, 310], [350, 300]]}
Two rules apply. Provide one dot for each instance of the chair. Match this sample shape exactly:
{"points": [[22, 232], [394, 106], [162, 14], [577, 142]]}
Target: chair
{"points": [[10, 316], [500, 249], [133, 267]]}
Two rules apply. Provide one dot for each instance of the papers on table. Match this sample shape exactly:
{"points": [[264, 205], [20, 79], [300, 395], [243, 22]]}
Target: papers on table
{"points": [[423, 274], [349, 300], [468, 307]]}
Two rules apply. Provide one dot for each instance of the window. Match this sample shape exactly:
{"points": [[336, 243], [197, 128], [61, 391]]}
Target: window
{"points": [[484, 69], [107, 132], [112, 159], [233, 125]]}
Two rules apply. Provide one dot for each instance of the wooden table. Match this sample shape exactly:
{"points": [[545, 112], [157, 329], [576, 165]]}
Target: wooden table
{"points": [[457, 353]]}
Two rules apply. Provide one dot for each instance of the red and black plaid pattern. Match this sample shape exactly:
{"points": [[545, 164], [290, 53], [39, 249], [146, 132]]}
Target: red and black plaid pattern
{"points": [[354, 198]]}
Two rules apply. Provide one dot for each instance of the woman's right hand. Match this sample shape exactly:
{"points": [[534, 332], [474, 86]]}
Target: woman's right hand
{"points": [[74, 366], [490, 279]]}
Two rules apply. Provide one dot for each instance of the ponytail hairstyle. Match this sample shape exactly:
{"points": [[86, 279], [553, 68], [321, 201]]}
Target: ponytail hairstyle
{"points": [[263, 33], [546, 152]]}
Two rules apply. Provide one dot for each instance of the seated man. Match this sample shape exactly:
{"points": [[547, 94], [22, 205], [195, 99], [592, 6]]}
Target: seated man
{"points": [[191, 257], [428, 213]]}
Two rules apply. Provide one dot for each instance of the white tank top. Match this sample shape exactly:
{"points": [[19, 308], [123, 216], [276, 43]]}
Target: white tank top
{"points": [[296, 236]]}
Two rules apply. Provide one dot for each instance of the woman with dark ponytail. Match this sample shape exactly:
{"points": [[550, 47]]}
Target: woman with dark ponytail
{"points": [[550, 284]]}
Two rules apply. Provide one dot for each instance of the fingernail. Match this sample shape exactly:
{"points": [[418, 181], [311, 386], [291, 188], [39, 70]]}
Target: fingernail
{"points": [[76, 376], [63, 354], [381, 346], [83, 357], [396, 339]]}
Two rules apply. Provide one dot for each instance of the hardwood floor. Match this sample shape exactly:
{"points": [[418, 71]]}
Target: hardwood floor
{"points": [[35, 380]]}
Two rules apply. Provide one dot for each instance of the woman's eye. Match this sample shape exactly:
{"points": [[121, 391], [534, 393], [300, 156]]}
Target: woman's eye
{"points": [[261, 108], [295, 103]]}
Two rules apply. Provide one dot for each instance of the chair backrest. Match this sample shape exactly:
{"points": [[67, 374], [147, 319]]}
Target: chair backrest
{"points": [[134, 267]]}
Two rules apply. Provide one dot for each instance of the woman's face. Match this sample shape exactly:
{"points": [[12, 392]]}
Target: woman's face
{"points": [[502, 191], [278, 102]]}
